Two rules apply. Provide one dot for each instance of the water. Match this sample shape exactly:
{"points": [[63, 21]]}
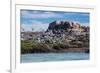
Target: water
{"points": [[45, 57]]}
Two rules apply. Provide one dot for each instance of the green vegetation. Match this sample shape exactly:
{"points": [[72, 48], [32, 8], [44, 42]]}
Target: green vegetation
{"points": [[30, 46], [33, 47]]}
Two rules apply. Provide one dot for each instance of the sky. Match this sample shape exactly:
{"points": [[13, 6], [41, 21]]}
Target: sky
{"points": [[39, 20]]}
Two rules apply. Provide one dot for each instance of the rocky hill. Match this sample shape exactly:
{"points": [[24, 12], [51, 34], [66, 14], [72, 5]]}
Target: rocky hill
{"points": [[67, 26], [56, 25], [61, 36]]}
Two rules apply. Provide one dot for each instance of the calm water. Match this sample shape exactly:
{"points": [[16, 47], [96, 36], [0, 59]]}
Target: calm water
{"points": [[28, 58]]}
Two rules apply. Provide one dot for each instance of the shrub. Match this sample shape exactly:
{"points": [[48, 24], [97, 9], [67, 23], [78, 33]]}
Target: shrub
{"points": [[56, 47], [26, 46], [64, 46]]}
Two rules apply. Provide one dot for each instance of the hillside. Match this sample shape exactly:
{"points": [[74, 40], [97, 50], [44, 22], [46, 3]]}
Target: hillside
{"points": [[61, 36]]}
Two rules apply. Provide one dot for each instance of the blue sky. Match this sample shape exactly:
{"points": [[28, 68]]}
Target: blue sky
{"points": [[39, 20]]}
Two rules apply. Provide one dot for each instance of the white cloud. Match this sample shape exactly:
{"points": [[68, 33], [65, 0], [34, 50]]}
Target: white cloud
{"points": [[37, 14], [75, 13], [36, 26], [85, 24]]}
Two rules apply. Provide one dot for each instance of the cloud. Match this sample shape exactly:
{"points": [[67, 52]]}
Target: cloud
{"points": [[36, 26], [82, 23], [40, 19], [39, 14], [77, 13], [85, 24]]}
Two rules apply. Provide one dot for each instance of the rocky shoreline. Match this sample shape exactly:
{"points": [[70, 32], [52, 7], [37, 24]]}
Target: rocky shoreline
{"points": [[71, 50]]}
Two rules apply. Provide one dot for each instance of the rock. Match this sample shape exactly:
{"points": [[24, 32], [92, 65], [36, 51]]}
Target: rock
{"points": [[60, 25], [71, 27]]}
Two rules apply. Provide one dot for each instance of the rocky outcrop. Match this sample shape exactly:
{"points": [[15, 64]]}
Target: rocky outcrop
{"points": [[58, 25], [63, 25], [67, 26]]}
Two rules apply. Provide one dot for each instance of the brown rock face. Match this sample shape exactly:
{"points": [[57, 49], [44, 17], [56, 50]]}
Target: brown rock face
{"points": [[63, 25], [58, 25], [67, 26]]}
